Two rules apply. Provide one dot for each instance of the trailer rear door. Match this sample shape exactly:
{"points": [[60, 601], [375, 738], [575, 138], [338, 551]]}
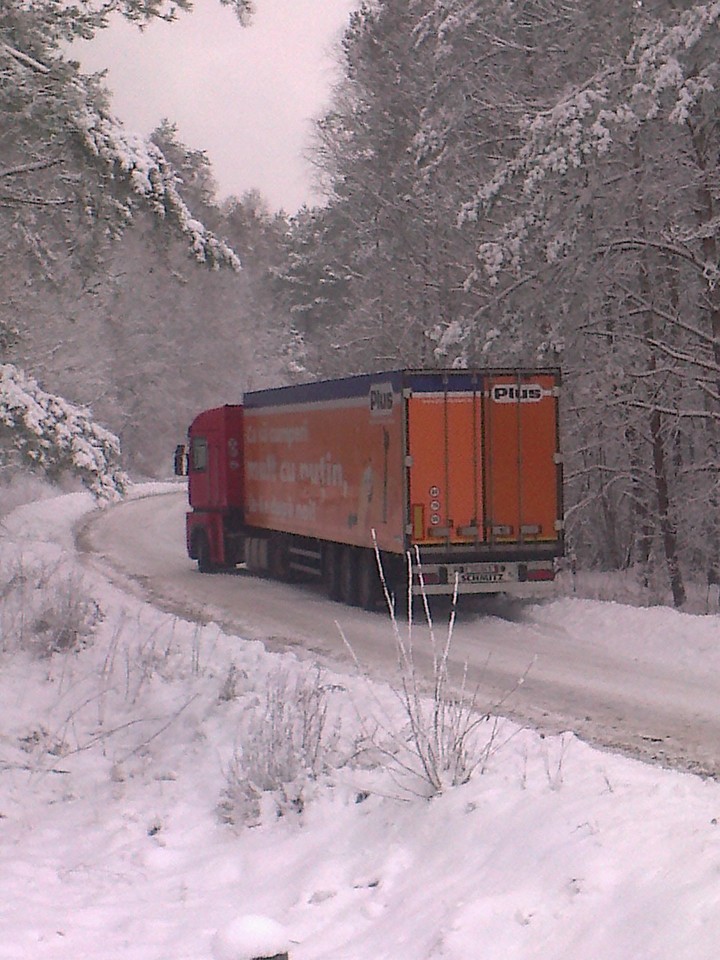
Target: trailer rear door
{"points": [[445, 462], [522, 476], [483, 458]]}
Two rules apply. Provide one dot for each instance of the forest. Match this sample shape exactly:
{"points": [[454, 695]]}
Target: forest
{"points": [[505, 182]]}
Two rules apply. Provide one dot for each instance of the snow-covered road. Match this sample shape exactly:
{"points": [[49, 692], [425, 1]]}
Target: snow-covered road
{"points": [[563, 665]]}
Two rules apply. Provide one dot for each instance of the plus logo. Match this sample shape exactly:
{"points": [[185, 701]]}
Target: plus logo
{"points": [[516, 393]]}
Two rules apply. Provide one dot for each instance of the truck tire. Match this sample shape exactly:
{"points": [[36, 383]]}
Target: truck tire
{"points": [[348, 576], [251, 553], [256, 556], [279, 558], [331, 571], [369, 591], [202, 551]]}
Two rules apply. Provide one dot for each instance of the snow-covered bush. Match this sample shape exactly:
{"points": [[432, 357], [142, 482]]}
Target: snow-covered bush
{"points": [[285, 742], [445, 734], [44, 608], [53, 436], [18, 486]]}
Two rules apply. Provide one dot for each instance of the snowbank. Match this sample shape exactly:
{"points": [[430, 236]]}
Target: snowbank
{"points": [[116, 839]]}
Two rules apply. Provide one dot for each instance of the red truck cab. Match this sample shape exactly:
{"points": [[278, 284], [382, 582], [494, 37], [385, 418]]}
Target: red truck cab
{"points": [[216, 485]]}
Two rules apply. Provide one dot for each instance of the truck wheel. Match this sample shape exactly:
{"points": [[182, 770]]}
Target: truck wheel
{"points": [[202, 550], [331, 571], [348, 577], [278, 558], [251, 554], [368, 580]]}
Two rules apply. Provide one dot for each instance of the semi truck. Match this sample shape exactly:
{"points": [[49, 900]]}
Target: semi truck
{"points": [[429, 481]]}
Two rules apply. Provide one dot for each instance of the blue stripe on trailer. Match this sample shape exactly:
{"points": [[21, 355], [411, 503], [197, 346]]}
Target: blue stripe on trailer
{"points": [[419, 381], [322, 390]]}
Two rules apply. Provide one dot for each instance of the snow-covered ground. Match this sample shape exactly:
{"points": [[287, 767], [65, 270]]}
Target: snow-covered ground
{"points": [[641, 681], [135, 749]]}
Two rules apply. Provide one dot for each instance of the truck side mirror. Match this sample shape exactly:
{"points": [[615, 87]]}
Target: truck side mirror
{"points": [[181, 460]]}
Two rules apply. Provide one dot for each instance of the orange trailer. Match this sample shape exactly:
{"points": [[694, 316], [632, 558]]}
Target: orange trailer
{"points": [[452, 477]]}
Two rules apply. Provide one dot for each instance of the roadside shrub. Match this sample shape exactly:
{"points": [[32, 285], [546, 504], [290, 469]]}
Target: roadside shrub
{"points": [[285, 741], [44, 608], [18, 486], [446, 734]]}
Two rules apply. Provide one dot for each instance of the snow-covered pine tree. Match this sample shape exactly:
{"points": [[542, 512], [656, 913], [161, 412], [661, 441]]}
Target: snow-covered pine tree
{"points": [[615, 186], [395, 235], [71, 177], [578, 143], [46, 433]]}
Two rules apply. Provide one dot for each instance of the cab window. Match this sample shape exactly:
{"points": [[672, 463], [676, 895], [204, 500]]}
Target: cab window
{"points": [[199, 454]]}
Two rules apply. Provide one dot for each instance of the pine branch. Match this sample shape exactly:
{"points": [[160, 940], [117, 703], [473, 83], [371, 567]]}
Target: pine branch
{"points": [[8, 200], [30, 167], [23, 59]]}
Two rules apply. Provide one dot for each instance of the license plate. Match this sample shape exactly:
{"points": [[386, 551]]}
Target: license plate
{"points": [[470, 577]]}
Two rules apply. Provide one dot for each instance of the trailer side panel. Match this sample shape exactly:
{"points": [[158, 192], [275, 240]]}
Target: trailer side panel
{"points": [[326, 461]]}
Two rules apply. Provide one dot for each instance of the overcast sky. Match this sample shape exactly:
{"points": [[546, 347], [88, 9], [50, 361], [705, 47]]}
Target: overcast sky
{"points": [[245, 95]]}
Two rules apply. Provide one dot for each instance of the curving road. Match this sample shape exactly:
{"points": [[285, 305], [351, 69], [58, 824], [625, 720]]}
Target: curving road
{"points": [[544, 666]]}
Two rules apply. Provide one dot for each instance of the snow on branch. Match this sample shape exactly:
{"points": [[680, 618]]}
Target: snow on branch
{"points": [[243, 9], [142, 165], [657, 57], [680, 250], [556, 141], [23, 59], [623, 95], [53, 435], [130, 159], [659, 77]]}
